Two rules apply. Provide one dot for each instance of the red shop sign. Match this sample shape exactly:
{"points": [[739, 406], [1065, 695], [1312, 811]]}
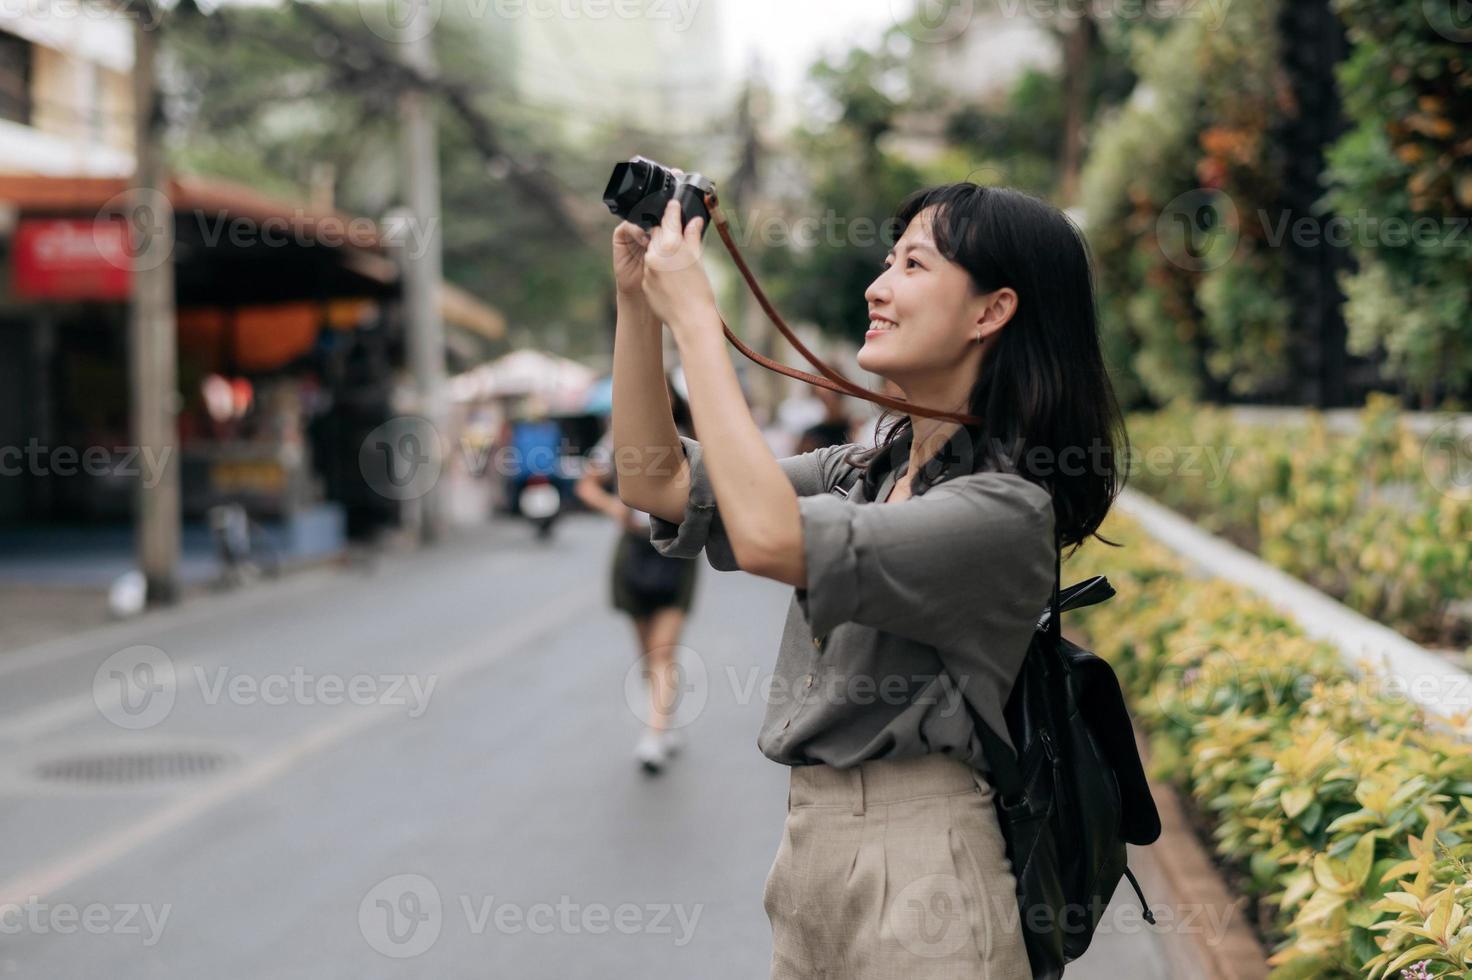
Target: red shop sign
{"points": [[71, 258]]}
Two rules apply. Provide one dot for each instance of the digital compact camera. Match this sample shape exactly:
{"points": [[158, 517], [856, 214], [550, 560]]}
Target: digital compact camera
{"points": [[639, 190]]}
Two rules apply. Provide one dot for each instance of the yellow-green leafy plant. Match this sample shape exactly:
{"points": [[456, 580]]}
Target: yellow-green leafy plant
{"points": [[1320, 783]]}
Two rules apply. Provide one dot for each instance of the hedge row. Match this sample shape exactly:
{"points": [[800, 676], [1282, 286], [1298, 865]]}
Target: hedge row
{"points": [[1345, 814]]}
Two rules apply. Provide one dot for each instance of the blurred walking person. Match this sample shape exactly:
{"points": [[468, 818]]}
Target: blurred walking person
{"points": [[654, 590]]}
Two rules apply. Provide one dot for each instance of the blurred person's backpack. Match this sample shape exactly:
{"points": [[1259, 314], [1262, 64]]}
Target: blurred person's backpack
{"points": [[1074, 792]]}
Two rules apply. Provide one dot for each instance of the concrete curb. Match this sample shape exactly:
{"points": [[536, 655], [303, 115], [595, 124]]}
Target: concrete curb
{"points": [[1400, 667]]}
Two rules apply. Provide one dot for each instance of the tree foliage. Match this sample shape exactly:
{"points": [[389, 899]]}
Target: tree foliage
{"points": [[1407, 162], [265, 94]]}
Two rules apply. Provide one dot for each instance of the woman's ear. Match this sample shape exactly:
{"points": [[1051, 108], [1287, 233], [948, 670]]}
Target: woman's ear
{"points": [[998, 308]]}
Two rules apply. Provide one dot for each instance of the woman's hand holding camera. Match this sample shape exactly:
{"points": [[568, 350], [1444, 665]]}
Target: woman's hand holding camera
{"points": [[674, 280], [629, 244]]}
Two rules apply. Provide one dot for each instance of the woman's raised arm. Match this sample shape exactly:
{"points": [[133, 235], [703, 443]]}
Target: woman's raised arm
{"points": [[652, 473]]}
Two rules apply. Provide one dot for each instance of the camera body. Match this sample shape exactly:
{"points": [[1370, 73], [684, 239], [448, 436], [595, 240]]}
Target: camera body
{"points": [[640, 188]]}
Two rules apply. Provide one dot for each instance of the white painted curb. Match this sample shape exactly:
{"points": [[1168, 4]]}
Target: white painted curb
{"points": [[1405, 668]]}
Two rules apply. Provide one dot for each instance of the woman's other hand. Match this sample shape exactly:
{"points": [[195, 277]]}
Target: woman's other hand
{"points": [[629, 244], [675, 283]]}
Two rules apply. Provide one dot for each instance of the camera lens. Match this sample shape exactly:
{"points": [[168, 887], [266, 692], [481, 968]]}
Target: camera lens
{"points": [[627, 177], [628, 184], [637, 191]]}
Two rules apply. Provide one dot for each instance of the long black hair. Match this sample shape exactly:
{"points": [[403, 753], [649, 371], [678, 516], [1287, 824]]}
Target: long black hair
{"points": [[1048, 408]]}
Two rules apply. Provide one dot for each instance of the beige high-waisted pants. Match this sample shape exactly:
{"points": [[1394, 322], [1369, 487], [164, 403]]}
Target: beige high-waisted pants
{"points": [[894, 869]]}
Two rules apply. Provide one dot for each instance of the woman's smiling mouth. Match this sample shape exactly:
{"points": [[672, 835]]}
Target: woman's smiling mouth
{"points": [[879, 324]]}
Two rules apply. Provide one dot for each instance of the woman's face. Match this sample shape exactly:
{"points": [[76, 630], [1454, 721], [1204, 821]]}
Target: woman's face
{"points": [[924, 313]]}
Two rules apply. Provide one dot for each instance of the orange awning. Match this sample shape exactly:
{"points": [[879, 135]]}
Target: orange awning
{"points": [[249, 338], [262, 334]]}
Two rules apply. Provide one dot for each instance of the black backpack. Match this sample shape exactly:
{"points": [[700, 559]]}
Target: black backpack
{"points": [[1074, 793]]}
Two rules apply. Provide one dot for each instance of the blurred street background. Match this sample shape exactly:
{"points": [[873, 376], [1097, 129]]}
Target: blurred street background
{"points": [[309, 659]]}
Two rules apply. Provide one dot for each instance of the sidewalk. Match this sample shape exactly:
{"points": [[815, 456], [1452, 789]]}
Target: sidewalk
{"points": [[31, 614], [55, 580]]}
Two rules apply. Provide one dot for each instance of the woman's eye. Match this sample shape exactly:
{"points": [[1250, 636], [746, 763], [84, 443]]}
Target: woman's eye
{"points": [[910, 262]]}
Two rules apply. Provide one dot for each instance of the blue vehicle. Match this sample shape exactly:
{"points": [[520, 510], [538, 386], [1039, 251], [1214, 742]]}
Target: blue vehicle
{"points": [[537, 482]]}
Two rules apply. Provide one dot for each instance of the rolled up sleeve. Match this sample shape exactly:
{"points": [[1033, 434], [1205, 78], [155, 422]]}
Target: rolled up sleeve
{"points": [[970, 560], [700, 529]]}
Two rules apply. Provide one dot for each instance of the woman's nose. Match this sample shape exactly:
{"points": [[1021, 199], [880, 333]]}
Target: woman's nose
{"points": [[877, 291]]}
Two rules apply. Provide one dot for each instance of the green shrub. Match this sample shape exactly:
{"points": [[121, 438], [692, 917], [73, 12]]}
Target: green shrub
{"points": [[1348, 814]]}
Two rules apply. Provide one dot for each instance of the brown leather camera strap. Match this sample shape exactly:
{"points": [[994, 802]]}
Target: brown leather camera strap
{"points": [[831, 379]]}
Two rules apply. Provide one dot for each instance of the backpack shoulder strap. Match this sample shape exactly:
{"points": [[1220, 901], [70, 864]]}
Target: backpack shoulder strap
{"points": [[1006, 767], [845, 484]]}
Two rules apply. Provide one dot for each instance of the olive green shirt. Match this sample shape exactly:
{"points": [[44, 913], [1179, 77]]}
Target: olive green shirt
{"points": [[909, 606]]}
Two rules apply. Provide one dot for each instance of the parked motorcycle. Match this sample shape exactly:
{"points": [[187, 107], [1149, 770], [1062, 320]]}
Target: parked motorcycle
{"points": [[541, 503]]}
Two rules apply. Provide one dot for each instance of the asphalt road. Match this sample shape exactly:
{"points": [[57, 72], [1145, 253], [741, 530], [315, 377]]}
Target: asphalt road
{"points": [[420, 770]]}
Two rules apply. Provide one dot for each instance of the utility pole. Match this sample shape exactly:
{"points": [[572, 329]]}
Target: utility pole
{"points": [[152, 329], [422, 263]]}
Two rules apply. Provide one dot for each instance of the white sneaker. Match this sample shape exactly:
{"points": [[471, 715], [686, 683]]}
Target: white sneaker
{"points": [[650, 751], [674, 741]]}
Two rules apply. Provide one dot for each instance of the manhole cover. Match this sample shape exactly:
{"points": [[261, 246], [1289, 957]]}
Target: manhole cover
{"points": [[115, 768]]}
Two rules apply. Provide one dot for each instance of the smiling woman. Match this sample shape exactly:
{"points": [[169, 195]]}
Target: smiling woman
{"points": [[919, 566]]}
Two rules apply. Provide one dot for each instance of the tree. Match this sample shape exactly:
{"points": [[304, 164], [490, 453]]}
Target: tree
{"points": [[263, 95]]}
